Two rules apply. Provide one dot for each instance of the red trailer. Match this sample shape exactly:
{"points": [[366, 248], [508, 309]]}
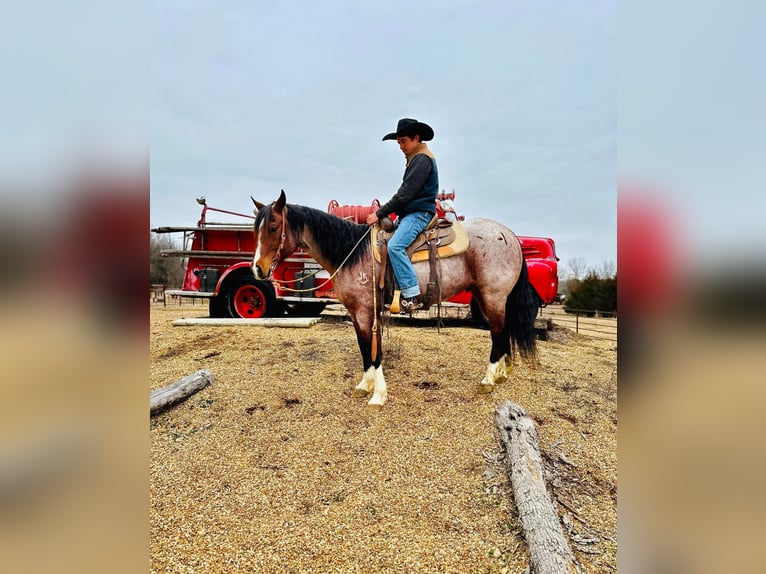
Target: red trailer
{"points": [[218, 258]]}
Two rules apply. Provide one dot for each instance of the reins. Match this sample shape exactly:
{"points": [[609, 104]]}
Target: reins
{"points": [[375, 326], [282, 283]]}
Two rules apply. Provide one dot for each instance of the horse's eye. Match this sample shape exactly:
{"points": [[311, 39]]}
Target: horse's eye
{"points": [[273, 229]]}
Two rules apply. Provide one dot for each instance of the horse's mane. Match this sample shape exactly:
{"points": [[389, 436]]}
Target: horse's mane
{"points": [[334, 236]]}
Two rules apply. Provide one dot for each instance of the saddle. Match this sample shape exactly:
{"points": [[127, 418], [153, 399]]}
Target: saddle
{"points": [[450, 239], [441, 238]]}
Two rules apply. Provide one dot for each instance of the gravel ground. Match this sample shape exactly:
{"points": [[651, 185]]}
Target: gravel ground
{"points": [[276, 468]]}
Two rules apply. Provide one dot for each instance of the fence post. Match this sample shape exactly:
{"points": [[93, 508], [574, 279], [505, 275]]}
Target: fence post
{"points": [[577, 321]]}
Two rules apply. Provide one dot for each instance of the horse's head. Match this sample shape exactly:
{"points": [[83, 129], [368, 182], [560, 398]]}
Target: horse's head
{"points": [[273, 237]]}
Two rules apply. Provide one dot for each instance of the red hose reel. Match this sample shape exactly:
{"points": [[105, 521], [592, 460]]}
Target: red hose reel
{"points": [[355, 213]]}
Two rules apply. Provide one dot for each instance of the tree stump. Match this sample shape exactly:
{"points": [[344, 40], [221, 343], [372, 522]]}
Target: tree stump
{"points": [[167, 396], [549, 550]]}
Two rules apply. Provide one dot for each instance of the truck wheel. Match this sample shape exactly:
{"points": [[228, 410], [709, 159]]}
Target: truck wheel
{"points": [[252, 299], [477, 315], [219, 307]]}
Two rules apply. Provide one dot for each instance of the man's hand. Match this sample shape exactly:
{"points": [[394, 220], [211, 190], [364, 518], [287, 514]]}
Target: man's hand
{"points": [[372, 219]]}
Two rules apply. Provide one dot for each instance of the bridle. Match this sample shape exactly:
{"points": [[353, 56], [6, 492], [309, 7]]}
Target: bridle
{"points": [[278, 255]]}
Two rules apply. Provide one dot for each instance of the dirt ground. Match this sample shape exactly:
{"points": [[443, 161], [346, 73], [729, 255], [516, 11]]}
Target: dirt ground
{"points": [[276, 468]]}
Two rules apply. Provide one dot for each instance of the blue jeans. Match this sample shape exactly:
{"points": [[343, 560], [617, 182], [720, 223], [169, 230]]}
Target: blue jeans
{"points": [[406, 232]]}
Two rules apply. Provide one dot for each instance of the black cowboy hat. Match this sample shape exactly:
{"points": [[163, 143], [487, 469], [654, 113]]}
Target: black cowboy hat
{"points": [[407, 127]]}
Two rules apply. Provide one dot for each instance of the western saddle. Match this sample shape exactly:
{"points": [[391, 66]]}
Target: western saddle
{"points": [[441, 238]]}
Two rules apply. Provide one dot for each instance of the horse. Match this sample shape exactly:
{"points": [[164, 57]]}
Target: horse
{"points": [[493, 269]]}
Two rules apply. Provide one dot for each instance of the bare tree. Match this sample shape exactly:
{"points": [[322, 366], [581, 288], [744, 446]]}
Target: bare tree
{"points": [[606, 270], [576, 267], [164, 270]]}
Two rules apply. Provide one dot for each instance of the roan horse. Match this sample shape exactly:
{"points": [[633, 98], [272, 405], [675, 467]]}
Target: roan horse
{"points": [[492, 268]]}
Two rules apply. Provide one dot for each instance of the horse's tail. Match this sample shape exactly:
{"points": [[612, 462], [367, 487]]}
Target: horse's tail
{"points": [[521, 308]]}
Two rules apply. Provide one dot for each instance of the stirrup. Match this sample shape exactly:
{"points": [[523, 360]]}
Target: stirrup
{"points": [[394, 306]]}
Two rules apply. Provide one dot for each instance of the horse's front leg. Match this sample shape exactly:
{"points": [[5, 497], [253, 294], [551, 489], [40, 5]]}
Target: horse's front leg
{"points": [[380, 390], [366, 385], [372, 379]]}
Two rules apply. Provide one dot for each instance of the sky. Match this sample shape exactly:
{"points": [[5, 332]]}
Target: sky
{"points": [[248, 98], [692, 123], [528, 101]]}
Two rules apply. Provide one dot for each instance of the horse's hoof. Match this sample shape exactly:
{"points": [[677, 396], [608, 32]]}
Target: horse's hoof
{"points": [[360, 393], [376, 403], [508, 368], [485, 388]]}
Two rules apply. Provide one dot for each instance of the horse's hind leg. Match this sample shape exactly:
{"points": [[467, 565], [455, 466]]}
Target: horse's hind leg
{"points": [[498, 371], [499, 367]]}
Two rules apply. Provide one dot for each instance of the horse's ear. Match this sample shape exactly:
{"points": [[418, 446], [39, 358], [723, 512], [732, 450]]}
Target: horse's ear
{"points": [[258, 205], [280, 203]]}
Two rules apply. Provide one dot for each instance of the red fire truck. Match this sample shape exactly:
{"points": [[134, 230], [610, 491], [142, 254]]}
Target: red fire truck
{"points": [[217, 258]]}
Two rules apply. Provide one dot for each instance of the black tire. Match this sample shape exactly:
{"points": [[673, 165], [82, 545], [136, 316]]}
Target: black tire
{"points": [[249, 298], [477, 315], [306, 309], [219, 307]]}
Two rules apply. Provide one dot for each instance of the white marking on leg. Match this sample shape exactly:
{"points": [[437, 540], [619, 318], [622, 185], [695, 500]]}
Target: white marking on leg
{"points": [[487, 384], [366, 385], [508, 367], [380, 395]]}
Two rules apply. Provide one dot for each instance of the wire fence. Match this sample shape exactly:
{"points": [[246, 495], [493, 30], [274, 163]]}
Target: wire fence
{"points": [[583, 321], [160, 294]]}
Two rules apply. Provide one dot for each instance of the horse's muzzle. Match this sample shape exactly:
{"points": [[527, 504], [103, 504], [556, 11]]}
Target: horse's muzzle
{"points": [[258, 272]]}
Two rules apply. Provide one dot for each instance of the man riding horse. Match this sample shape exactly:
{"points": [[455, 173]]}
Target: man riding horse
{"points": [[414, 204]]}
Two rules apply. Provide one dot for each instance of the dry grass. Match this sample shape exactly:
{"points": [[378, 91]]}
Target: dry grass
{"points": [[276, 468]]}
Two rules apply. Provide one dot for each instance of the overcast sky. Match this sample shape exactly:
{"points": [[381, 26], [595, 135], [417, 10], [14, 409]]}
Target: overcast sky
{"points": [[248, 98], [252, 97]]}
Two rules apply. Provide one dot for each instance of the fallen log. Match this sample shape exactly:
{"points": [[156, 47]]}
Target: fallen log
{"points": [[549, 552], [167, 396]]}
